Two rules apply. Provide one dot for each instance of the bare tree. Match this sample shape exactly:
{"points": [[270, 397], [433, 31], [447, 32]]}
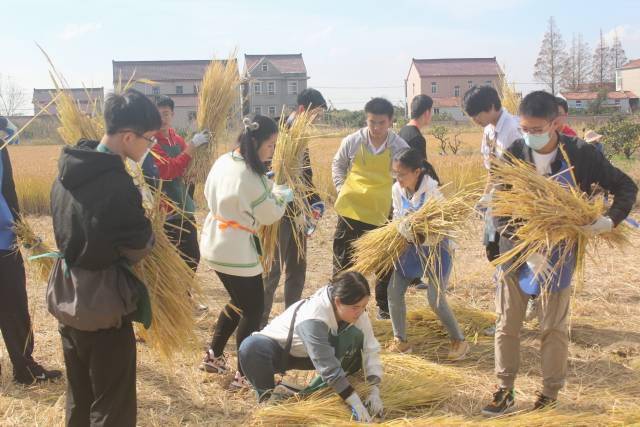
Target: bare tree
{"points": [[577, 68], [601, 63], [617, 56], [12, 97], [551, 58]]}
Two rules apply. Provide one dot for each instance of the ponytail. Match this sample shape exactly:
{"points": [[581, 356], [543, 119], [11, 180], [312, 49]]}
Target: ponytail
{"points": [[256, 132]]}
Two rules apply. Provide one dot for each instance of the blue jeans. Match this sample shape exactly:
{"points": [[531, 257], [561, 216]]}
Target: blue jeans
{"points": [[436, 296], [261, 358]]}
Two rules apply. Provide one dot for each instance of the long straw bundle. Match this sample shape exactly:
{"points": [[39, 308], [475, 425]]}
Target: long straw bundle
{"points": [[219, 93], [377, 250], [546, 214], [34, 246], [508, 94], [287, 165], [74, 124], [410, 386]]}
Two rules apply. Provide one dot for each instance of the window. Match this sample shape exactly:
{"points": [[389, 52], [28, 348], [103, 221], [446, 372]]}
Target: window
{"points": [[191, 115], [488, 83], [265, 67], [456, 91], [292, 88], [179, 90], [436, 111], [617, 102], [257, 88], [413, 88], [578, 104], [155, 90], [434, 87], [272, 110], [257, 109], [271, 88], [469, 84]]}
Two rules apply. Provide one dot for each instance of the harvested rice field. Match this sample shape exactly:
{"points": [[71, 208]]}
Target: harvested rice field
{"points": [[603, 384]]}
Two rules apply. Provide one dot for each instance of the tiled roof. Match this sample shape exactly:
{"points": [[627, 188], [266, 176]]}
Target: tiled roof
{"points": [[457, 67], [289, 63], [79, 94], [589, 96], [160, 70], [631, 64]]}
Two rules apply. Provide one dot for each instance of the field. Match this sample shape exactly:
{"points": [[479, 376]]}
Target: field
{"points": [[604, 365]]}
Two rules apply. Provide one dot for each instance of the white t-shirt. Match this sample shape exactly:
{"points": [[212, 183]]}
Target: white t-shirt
{"points": [[497, 139], [373, 148], [543, 161]]}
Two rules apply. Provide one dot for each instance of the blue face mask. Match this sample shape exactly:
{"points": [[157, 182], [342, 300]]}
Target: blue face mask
{"points": [[536, 141]]}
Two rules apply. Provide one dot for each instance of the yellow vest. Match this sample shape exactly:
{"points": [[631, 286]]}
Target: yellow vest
{"points": [[366, 193]]}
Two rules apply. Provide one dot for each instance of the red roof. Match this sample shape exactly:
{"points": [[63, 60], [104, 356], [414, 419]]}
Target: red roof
{"points": [[447, 102], [287, 63], [457, 67], [160, 70], [632, 64], [589, 96]]}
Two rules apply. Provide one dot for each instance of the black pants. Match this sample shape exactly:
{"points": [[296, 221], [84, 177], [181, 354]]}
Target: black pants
{"points": [[347, 231], [101, 376], [15, 321], [183, 234], [247, 295]]}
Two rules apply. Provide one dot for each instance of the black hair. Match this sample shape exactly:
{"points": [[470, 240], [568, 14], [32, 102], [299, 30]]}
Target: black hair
{"points": [[311, 98], [3, 123], [539, 104], [349, 287], [165, 101], [420, 104], [562, 103], [250, 141], [131, 110], [481, 98], [412, 159], [379, 106]]}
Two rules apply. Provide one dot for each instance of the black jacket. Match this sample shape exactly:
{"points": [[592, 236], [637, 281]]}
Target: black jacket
{"points": [[590, 167], [412, 135], [98, 217]]}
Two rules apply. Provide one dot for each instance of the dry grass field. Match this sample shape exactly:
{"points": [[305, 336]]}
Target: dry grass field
{"points": [[603, 386]]}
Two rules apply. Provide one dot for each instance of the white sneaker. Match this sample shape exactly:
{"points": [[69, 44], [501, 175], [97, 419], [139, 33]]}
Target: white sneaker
{"points": [[213, 364]]}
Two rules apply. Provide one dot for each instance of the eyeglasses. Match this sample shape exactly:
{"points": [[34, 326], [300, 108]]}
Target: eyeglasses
{"points": [[151, 140]]}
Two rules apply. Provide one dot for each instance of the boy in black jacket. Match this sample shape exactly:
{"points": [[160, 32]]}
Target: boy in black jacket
{"points": [[100, 229], [540, 146], [15, 321]]}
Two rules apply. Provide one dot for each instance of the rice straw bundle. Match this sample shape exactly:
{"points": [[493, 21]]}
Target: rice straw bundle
{"points": [[34, 246], [287, 165], [169, 281], [219, 93], [546, 214], [427, 335], [509, 97], [410, 386], [74, 124], [377, 250]]}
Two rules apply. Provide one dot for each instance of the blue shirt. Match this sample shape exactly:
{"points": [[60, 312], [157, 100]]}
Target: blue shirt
{"points": [[7, 235]]}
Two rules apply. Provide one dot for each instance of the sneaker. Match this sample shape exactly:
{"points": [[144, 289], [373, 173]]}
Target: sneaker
{"points": [[240, 382], [382, 315], [458, 350], [213, 364], [544, 402], [502, 403], [399, 346], [532, 309], [36, 374]]}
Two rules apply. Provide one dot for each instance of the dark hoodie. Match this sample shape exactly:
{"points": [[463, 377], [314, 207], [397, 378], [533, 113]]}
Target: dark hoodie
{"points": [[100, 229]]}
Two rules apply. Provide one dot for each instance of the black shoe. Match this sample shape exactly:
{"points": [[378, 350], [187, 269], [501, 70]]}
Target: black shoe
{"points": [[36, 374], [544, 402], [382, 315], [502, 403]]}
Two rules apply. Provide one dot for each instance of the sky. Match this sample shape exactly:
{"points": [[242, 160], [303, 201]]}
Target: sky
{"points": [[353, 49]]}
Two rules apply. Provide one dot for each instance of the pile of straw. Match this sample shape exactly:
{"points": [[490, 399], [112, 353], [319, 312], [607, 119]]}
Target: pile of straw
{"points": [[377, 250], [545, 214], [34, 246], [219, 93], [410, 387], [287, 166]]}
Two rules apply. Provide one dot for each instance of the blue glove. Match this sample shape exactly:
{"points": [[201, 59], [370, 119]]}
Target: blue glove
{"points": [[317, 210], [270, 174], [283, 192]]}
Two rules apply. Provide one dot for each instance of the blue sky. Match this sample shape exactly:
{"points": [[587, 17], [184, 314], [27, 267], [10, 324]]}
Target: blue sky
{"points": [[353, 49]]}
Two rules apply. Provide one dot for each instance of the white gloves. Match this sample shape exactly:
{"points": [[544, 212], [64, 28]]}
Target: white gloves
{"points": [[539, 265], [484, 202], [404, 228], [200, 138], [374, 402], [604, 224], [283, 192], [359, 411]]}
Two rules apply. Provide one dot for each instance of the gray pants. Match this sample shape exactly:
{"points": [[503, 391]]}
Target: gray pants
{"points": [[295, 269], [553, 313], [437, 300]]}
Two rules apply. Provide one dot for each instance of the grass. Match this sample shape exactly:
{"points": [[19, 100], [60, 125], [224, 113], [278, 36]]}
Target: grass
{"points": [[603, 370]]}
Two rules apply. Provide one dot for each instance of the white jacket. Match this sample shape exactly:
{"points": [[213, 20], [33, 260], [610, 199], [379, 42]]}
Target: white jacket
{"points": [[239, 201], [403, 204]]}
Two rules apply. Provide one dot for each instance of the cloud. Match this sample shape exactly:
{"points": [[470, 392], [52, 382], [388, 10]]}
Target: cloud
{"points": [[72, 31], [626, 33]]}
